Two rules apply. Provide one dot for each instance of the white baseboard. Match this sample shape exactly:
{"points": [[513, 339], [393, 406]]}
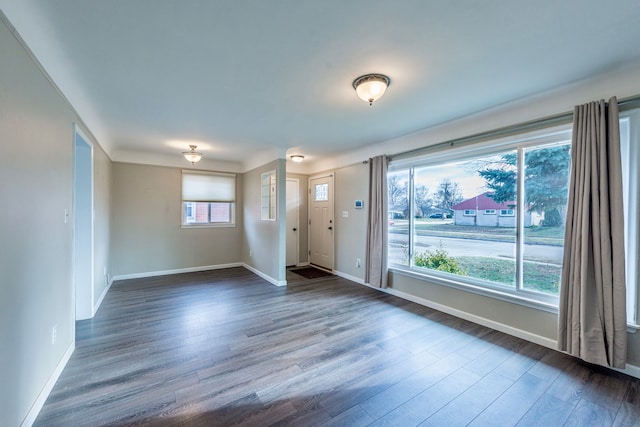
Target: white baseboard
{"points": [[302, 264], [96, 306], [176, 271], [631, 370], [264, 276], [350, 277], [528, 336], [51, 382]]}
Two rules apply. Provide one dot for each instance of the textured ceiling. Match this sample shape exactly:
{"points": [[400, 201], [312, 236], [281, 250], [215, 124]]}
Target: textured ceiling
{"points": [[240, 77]]}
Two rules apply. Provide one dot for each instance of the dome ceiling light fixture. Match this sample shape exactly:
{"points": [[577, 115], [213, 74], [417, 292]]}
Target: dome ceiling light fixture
{"points": [[297, 158], [371, 87], [193, 156]]}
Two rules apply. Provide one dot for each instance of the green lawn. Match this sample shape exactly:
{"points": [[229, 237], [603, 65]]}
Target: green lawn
{"points": [[537, 276], [540, 274]]}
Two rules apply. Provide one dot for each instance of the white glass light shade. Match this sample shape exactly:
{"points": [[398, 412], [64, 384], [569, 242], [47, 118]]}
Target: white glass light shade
{"points": [[297, 158], [371, 87], [192, 155]]}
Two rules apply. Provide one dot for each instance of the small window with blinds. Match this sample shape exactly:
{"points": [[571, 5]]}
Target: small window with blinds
{"points": [[208, 199]]}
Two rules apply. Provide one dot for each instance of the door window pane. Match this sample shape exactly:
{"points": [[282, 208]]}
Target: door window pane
{"points": [[321, 192]]}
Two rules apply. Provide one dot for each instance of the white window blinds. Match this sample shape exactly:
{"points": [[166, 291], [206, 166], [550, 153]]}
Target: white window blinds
{"points": [[208, 187]]}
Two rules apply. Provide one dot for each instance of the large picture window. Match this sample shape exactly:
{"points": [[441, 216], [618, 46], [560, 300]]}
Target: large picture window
{"points": [[493, 220], [489, 218], [208, 199]]}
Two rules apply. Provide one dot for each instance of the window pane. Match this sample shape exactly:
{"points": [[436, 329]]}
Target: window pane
{"points": [[630, 153], [190, 212], [456, 228], [207, 213], [220, 212], [268, 196], [321, 192], [546, 186], [398, 209]]}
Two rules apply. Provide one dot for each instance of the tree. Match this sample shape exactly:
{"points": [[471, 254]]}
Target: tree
{"points": [[546, 180], [397, 191], [422, 201], [501, 178], [398, 194], [448, 194]]}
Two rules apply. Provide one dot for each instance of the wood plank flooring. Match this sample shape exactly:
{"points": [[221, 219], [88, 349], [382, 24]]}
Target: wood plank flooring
{"points": [[225, 348]]}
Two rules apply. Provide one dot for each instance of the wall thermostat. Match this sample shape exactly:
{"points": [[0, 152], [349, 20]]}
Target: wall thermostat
{"points": [[358, 204]]}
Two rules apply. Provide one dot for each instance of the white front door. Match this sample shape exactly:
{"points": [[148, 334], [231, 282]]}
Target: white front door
{"points": [[321, 221], [293, 221]]}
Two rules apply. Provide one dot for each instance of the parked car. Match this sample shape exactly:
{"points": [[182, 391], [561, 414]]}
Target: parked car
{"points": [[436, 215]]}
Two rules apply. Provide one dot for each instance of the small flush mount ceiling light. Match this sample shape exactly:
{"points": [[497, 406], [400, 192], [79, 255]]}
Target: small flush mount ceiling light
{"points": [[193, 156], [297, 158], [371, 87]]}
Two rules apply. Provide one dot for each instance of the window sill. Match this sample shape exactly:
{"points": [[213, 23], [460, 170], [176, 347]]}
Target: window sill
{"points": [[479, 290], [187, 226]]}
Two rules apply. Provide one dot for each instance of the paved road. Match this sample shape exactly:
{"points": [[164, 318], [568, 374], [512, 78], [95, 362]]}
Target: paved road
{"points": [[469, 247]]}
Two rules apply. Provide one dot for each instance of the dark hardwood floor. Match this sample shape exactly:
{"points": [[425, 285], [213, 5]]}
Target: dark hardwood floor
{"points": [[227, 348]]}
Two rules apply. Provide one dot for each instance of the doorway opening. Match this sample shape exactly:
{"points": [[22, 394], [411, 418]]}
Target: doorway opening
{"points": [[83, 225]]}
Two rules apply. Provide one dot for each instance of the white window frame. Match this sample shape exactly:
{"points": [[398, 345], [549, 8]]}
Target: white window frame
{"points": [[268, 196], [226, 197], [507, 212], [469, 212], [630, 154], [188, 217], [631, 180], [520, 295], [489, 211]]}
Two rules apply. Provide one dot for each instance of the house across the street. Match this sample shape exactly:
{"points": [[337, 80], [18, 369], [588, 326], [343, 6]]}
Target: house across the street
{"points": [[484, 211]]}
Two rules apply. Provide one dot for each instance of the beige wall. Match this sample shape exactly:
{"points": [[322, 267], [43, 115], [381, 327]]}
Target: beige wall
{"points": [[529, 320], [146, 232], [36, 169], [351, 183], [103, 181], [263, 244]]}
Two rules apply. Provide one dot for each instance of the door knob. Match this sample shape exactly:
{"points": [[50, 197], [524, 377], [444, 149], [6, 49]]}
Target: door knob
{"points": [[330, 228], [295, 229]]}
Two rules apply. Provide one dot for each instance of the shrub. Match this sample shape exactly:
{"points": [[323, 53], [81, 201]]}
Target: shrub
{"points": [[438, 260], [552, 218]]}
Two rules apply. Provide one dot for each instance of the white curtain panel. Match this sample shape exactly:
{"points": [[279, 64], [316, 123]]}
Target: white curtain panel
{"points": [[376, 258], [592, 317]]}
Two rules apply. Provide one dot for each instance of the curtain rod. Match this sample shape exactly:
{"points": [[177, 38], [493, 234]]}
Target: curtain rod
{"points": [[555, 120]]}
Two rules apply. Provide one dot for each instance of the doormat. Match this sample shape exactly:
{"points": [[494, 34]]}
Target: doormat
{"points": [[310, 272]]}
